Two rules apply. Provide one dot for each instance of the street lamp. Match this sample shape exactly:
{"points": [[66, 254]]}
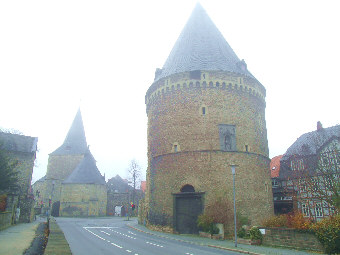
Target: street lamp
{"points": [[233, 167]]}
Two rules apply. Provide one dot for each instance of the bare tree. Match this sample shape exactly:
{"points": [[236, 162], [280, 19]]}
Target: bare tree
{"points": [[134, 172]]}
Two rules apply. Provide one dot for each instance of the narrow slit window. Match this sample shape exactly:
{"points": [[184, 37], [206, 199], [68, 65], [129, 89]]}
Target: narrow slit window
{"points": [[175, 148], [246, 148], [203, 110]]}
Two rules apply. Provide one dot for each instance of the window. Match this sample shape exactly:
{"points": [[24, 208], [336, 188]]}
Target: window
{"points": [[275, 183], [297, 164], [318, 210], [246, 148], [266, 187], [305, 210], [175, 147], [302, 185], [203, 110]]}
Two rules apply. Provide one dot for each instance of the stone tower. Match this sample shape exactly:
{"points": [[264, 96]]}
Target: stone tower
{"points": [[205, 111], [73, 182], [64, 160]]}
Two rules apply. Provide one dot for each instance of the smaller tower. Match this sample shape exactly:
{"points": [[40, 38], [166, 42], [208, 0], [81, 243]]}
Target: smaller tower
{"points": [[64, 164]]}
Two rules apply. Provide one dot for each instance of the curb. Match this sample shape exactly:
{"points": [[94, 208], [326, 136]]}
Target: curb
{"points": [[56, 244], [201, 244]]}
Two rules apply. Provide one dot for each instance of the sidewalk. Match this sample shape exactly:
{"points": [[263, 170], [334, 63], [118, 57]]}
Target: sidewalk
{"points": [[16, 239], [225, 244]]}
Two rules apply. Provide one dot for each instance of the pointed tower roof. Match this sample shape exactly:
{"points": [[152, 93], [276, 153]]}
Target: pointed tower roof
{"points": [[86, 172], [75, 141], [201, 46]]}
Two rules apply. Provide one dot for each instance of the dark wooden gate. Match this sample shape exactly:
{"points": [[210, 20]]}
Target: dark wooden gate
{"points": [[187, 207]]}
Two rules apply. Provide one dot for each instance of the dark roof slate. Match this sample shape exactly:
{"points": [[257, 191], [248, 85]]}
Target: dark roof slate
{"points": [[118, 184], [201, 46], [86, 172], [20, 143], [75, 141], [310, 143]]}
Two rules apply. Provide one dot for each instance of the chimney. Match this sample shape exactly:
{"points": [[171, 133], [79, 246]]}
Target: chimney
{"points": [[319, 126]]}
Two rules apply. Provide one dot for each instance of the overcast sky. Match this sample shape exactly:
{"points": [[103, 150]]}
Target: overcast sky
{"points": [[101, 55]]}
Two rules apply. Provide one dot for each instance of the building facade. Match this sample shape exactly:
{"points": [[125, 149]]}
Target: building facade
{"points": [[120, 196], [22, 150], [310, 172], [205, 111]]}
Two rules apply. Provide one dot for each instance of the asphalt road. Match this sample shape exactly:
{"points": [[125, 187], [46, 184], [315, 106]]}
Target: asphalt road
{"points": [[112, 236]]}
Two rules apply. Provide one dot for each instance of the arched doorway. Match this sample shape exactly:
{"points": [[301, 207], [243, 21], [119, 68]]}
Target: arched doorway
{"points": [[55, 209], [188, 204]]}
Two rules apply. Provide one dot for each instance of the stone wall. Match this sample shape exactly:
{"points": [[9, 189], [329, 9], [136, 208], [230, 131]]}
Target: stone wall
{"points": [[123, 199], [24, 167], [5, 220], [58, 169], [210, 172], [83, 200], [291, 238]]}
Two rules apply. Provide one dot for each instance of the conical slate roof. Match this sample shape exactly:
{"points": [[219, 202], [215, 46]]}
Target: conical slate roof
{"points": [[75, 141], [86, 172], [201, 46]]}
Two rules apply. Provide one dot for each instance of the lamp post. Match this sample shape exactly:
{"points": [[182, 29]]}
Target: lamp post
{"points": [[233, 167]]}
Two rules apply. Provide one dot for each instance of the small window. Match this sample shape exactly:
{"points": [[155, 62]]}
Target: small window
{"points": [[246, 148], [203, 110], [318, 210], [175, 147]]}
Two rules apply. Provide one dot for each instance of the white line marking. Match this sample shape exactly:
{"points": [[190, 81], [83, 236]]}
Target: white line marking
{"points": [[128, 251], [95, 234], [120, 247], [131, 233], [102, 227], [105, 232], [124, 234], [155, 244]]}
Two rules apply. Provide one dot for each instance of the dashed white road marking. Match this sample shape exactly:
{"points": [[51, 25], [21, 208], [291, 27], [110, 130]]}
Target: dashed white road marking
{"points": [[116, 245], [128, 251], [102, 227], [189, 253], [134, 238], [155, 244], [95, 234], [132, 233], [105, 232]]}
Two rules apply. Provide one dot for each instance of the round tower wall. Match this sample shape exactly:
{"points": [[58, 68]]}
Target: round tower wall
{"points": [[197, 127], [189, 116]]}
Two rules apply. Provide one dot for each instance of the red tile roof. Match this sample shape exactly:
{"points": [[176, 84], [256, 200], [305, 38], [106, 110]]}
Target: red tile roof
{"points": [[275, 166]]}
